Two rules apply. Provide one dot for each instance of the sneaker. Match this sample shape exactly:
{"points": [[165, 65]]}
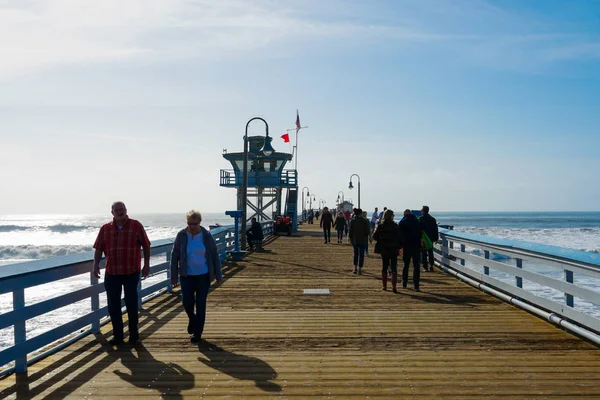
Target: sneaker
{"points": [[395, 290], [360, 271], [194, 339], [417, 289], [133, 339], [190, 328]]}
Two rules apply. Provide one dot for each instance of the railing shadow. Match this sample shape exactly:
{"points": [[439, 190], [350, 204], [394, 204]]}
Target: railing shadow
{"points": [[239, 366], [98, 354]]}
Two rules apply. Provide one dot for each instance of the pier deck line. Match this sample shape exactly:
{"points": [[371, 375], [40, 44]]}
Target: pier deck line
{"points": [[265, 338]]}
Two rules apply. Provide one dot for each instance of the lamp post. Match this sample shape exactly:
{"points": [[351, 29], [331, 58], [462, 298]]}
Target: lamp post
{"points": [[267, 150], [342, 198], [352, 187], [321, 203], [303, 203], [311, 198]]}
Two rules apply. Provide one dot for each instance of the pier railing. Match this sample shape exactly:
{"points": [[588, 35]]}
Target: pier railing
{"points": [[558, 284], [16, 279]]}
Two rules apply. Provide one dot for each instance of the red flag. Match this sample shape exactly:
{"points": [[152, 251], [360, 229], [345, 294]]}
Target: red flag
{"points": [[286, 137], [297, 122]]}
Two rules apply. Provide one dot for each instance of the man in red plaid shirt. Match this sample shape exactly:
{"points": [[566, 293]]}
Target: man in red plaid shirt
{"points": [[121, 241]]}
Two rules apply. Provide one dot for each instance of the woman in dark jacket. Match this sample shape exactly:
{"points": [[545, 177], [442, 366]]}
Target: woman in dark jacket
{"points": [[387, 236], [340, 226], [359, 237]]}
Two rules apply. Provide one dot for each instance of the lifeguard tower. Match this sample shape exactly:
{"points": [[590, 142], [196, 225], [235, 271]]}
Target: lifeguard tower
{"points": [[267, 181]]}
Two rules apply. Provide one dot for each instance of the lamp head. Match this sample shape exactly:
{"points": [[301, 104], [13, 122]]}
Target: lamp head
{"points": [[350, 185], [267, 149]]}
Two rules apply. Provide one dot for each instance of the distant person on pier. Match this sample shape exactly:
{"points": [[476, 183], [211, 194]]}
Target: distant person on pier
{"points": [[195, 260], [374, 219], [364, 215], [410, 234], [122, 242], [310, 216], [340, 226], [429, 226], [359, 237], [381, 214], [255, 235], [317, 213], [326, 223], [348, 216], [387, 236]]}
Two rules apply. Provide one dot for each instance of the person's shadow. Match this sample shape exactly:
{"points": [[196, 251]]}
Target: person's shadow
{"points": [[146, 372], [239, 366]]}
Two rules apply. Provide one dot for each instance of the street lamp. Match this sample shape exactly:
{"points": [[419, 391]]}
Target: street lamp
{"points": [[321, 203], [352, 187], [308, 194], [311, 198], [338, 199], [266, 150]]}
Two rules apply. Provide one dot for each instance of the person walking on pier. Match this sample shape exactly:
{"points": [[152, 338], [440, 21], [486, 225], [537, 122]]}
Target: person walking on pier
{"points": [[340, 226], [410, 234], [374, 219], [326, 223], [387, 236], [122, 241], [429, 226], [196, 261], [359, 236], [364, 215]]}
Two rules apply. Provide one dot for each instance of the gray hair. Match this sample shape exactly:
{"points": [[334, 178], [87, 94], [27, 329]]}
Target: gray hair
{"points": [[117, 203], [193, 214]]}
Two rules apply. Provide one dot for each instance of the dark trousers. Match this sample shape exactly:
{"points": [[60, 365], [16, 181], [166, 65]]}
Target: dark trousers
{"points": [[359, 255], [327, 234], [113, 285], [194, 289], [340, 233], [413, 254], [389, 260], [425, 253]]}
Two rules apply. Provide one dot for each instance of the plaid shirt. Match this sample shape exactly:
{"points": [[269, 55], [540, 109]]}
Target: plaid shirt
{"points": [[122, 247]]}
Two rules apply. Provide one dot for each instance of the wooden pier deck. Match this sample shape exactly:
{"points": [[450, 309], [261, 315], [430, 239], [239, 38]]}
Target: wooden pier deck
{"points": [[266, 339]]}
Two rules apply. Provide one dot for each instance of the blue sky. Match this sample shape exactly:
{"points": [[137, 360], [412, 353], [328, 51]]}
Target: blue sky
{"points": [[465, 105]]}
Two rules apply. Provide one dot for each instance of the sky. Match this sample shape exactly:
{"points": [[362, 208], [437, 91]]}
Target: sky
{"points": [[463, 105]]}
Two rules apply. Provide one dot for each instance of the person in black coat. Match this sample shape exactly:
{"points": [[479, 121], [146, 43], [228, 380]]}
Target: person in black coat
{"points": [[410, 234], [254, 235], [429, 225], [387, 236]]}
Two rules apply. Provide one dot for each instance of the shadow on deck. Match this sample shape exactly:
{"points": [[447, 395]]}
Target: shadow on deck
{"points": [[265, 338]]}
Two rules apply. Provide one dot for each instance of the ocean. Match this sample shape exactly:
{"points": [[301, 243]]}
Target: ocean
{"points": [[34, 237]]}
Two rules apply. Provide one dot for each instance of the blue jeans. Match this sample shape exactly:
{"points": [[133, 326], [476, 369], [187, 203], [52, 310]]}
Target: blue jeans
{"points": [[359, 255], [194, 290], [113, 285]]}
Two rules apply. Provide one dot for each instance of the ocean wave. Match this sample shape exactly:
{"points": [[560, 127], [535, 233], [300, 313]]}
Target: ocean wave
{"points": [[13, 228], [27, 252], [64, 228]]}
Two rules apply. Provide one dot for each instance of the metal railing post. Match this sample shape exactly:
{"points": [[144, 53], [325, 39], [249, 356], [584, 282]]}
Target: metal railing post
{"points": [[518, 279], [95, 303], [462, 250], [569, 297], [444, 249], [170, 287], [486, 270], [20, 330]]}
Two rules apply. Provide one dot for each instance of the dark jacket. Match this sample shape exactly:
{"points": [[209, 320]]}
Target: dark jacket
{"points": [[326, 220], [410, 232], [429, 225], [256, 231], [359, 231], [179, 255], [387, 235], [340, 223]]}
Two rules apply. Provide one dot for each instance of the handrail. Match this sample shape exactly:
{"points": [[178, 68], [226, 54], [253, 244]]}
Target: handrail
{"points": [[522, 273], [18, 277]]}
